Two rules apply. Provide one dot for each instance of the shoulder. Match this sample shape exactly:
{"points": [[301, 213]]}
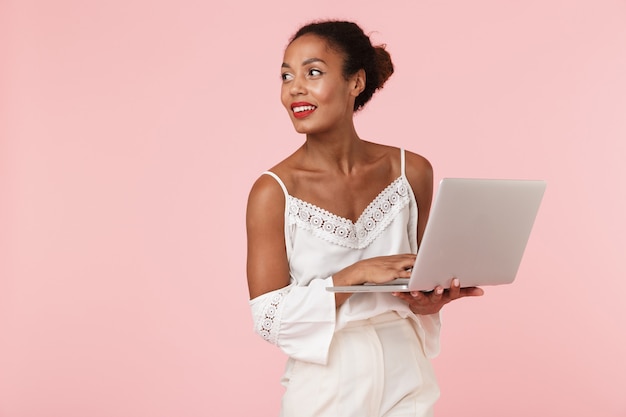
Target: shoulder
{"points": [[266, 195], [418, 167], [419, 173], [267, 191]]}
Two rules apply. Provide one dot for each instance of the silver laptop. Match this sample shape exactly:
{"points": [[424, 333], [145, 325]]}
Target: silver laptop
{"points": [[477, 232]]}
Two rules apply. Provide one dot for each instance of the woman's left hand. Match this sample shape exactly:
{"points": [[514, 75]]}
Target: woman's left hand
{"points": [[425, 303]]}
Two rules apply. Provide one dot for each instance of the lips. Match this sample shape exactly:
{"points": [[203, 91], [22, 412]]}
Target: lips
{"points": [[301, 110]]}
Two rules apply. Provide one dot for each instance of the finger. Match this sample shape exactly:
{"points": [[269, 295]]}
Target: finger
{"points": [[419, 297], [401, 295], [403, 273], [472, 292], [455, 289], [436, 295], [407, 261]]}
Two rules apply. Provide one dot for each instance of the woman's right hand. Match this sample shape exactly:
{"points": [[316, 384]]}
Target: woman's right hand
{"points": [[376, 270]]}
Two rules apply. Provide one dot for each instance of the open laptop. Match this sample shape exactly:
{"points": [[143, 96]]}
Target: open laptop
{"points": [[477, 232]]}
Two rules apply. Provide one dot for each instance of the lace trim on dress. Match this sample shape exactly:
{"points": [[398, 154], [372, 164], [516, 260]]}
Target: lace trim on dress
{"points": [[270, 318], [341, 231]]}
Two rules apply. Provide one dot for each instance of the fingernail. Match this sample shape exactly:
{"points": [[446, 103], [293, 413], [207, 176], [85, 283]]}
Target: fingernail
{"points": [[439, 291], [455, 282]]}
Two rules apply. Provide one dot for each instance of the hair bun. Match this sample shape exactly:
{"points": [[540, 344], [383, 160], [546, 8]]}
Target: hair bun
{"points": [[383, 64]]}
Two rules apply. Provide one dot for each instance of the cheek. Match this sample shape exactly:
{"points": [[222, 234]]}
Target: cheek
{"points": [[334, 94], [284, 97]]}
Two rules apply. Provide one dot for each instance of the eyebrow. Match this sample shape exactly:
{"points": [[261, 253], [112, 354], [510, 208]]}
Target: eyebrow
{"points": [[305, 62]]}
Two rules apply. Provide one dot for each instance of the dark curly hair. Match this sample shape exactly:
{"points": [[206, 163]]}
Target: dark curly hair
{"points": [[348, 38]]}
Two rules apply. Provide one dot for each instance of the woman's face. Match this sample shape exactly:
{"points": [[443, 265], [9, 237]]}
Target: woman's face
{"points": [[314, 91]]}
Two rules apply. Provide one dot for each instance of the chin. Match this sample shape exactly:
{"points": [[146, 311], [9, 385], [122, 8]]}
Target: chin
{"points": [[308, 130], [300, 129]]}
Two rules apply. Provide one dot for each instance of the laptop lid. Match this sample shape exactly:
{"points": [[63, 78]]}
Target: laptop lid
{"points": [[477, 232]]}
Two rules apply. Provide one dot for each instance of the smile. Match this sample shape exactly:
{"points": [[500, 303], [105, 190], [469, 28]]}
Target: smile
{"points": [[301, 110]]}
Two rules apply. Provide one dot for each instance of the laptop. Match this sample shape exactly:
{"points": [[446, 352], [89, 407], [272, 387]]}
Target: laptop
{"points": [[477, 232]]}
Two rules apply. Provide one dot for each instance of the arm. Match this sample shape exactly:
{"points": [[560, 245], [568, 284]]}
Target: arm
{"points": [[298, 319], [267, 266]]}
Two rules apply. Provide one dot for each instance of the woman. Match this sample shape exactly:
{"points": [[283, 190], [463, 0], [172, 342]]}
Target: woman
{"points": [[340, 211]]}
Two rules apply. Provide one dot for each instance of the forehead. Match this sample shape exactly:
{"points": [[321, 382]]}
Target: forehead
{"points": [[311, 46]]}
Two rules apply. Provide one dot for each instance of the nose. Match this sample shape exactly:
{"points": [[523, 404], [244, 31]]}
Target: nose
{"points": [[297, 86]]}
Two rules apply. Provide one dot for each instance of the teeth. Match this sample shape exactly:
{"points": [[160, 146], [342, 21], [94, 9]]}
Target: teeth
{"points": [[303, 108]]}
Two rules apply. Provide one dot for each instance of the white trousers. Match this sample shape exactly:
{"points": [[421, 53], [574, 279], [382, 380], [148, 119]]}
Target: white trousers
{"points": [[376, 368]]}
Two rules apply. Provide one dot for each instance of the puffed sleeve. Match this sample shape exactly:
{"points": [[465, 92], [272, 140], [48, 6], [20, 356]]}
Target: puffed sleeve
{"points": [[300, 320]]}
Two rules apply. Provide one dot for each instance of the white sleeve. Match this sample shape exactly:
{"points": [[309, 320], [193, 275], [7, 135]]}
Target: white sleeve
{"points": [[299, 320]]}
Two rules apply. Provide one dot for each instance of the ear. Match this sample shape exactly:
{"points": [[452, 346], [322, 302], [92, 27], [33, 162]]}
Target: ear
{"points": [[358, 82]]}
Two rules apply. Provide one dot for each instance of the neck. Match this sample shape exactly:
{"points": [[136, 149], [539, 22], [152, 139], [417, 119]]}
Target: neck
{"points": [[339, 151]]}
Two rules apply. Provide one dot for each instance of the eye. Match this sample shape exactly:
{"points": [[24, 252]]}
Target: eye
{"points": [[285, 76], [314, 72]]}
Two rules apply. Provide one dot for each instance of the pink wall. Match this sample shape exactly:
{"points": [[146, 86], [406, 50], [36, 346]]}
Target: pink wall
{"points": [[131, 131]]}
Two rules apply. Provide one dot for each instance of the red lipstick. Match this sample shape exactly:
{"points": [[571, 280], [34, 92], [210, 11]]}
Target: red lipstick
{"points": [[302, 109]]}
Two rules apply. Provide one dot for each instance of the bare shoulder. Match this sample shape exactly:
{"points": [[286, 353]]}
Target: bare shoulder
{"points": [[266, 195], [419, 172], [267, 191], [417, 164]]}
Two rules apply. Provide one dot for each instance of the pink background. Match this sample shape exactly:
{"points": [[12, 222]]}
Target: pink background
{"points": [[131, 132]]}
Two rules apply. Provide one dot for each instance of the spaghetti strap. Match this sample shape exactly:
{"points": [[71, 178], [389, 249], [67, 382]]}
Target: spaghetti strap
{"points": [[402, 163], [280, 182], [287, 224]]}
